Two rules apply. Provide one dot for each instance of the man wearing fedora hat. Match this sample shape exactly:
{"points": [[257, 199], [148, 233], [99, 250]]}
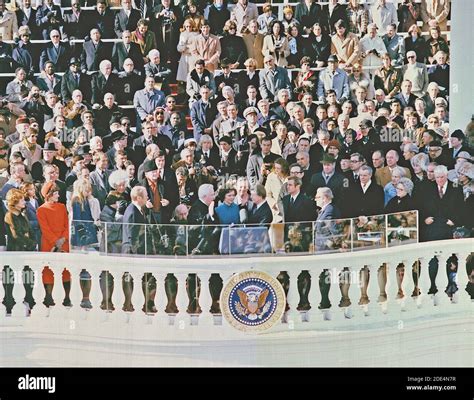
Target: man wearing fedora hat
{"points": [[328, 177], [74, 79], [24, 53], [457, 143]]}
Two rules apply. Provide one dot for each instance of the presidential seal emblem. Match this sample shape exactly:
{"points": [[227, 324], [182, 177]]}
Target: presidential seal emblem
{"points": [[253, 301]]}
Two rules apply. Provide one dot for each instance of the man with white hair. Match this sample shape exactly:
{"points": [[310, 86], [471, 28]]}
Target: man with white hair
{"points": [[442, 207], [384, 175], [366, 197], [272, 79], [372, 48], [201, 240], [417, 74], [57, 52], [327, 210], [147, 100], [439, 72], [103, 82], [430, 97], [160, 73]]}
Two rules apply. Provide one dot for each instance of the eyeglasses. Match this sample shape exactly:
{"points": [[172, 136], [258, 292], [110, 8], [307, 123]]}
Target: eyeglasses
{"points": [[160, 113], [25, 35], [55, 36], [125, 123], [411, 57]]}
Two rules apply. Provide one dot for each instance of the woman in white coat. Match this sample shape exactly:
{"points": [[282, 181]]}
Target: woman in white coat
{"points": [[185, 46]]}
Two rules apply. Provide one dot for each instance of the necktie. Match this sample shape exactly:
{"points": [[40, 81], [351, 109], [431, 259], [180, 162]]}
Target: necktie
{"points": [[142, 8], [156, 196], [326, 178], [440, 191], [292, 201]]}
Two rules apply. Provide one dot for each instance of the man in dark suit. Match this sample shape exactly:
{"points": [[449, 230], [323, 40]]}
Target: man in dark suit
{"points": [[380, 100], [49, 17], [202, 237], [441, 210], [261, 213], [308, 17], [325, 228], [76, 23], [439, 72], [73, 79], [126, 19], [25, 53], [100, 178], [331, 15], [297, 207], [165, 21], [202, 114], [366, 197], [94, 52], [298, 212], [57, 52], [26, 16], [228, 157], [309, 107], [129, 82], [278, 108], [103, 82], [160, 73], [134, 223], [406, 97], [102, 18], [126, 49], [328, 177]]}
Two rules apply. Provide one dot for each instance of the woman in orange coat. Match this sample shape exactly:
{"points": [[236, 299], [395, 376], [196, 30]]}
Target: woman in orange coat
{"points": [[53, 220]]}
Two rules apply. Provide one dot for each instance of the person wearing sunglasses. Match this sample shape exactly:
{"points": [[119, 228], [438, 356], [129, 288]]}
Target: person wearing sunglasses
{"points": [[59, 53], [417, 73]]}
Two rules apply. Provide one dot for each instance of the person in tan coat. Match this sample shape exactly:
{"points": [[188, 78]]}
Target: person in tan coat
{"points": [[254, 43], [276, 44], [345, 45], [207, 47], [436, 12], [242, 14], [384, 175], [8, 23]]}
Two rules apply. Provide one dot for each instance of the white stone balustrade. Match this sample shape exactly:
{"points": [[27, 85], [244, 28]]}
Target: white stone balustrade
{"points": [[120, 324]]}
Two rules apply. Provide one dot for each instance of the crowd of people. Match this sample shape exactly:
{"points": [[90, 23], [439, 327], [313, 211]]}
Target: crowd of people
{"points": [[212, 115]]}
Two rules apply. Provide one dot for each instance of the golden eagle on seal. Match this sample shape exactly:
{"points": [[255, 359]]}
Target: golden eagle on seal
{"points": [[253, 306]]}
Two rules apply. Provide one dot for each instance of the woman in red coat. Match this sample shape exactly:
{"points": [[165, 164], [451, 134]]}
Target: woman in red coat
{"points": [[53, 220]]}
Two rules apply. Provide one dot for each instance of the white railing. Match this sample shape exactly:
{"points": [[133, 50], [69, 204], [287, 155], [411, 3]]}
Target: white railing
{"points": [[368, 304]]}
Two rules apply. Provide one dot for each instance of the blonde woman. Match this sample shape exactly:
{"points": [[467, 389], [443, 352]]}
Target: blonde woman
{"points": [[186, 44], [84, 208], [273, 185]]}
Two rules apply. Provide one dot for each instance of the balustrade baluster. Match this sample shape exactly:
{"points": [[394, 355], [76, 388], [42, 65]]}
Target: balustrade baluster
{"points": [[182, 300], [364, 279]]}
